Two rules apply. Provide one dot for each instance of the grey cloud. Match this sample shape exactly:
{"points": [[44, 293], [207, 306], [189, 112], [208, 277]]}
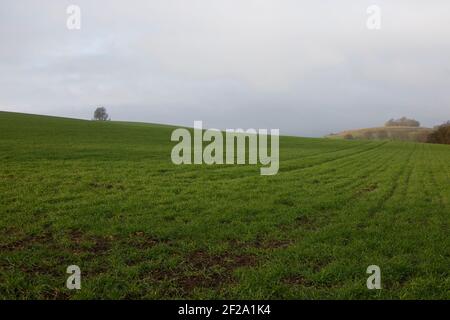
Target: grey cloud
{"points": [[306, 67]]}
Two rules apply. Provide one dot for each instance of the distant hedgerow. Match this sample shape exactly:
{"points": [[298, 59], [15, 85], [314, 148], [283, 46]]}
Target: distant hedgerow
{"points": [[441, 134]]}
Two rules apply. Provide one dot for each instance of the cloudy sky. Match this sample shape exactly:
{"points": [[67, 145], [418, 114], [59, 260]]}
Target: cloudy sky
{"points": [[306, 67]]}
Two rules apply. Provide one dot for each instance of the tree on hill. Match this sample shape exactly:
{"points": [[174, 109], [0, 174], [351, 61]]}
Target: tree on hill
{"points": [[402, 122], [100, 114], [349, 136], [441, 134]]}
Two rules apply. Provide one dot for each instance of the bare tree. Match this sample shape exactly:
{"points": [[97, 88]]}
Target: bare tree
{"points": [[100, 114]]}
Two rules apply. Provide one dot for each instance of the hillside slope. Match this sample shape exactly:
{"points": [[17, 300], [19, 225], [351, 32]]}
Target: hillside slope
{"points": [[105, 196], [417, 134]]}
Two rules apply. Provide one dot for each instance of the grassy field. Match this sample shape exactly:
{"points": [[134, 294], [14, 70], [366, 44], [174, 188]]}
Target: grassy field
{"points": [[105, 196]]}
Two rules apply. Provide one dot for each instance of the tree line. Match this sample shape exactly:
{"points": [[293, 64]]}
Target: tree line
{"points": [[397, 129], [404, 129], [440, 134], [402, 122]]}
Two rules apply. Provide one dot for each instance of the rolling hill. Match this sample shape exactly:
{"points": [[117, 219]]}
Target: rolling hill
{"points": [[105, 196], [417, 134]]}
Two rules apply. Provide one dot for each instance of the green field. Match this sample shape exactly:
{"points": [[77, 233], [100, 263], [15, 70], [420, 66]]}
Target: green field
{"points": [[105, 196]]}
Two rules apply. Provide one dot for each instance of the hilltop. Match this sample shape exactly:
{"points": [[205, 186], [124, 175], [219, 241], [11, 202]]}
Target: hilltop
{"points": [[418, 134]]}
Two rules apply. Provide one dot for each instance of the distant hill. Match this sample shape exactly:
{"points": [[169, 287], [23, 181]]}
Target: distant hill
{"points": [[418, 134]]}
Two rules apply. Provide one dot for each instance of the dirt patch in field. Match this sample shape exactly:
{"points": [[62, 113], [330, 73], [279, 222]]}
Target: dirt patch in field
{"points": [[202, 269], [79, 242], [318, 265], [205, 260], [300, 222], [83, 243], [55, 271], [142, 240], [297, 280], [264, 244], [102, 244], [44, 238], [305, 222], [369, 188], [56, 294], [106, 185], [273, 244], [213, 270]]}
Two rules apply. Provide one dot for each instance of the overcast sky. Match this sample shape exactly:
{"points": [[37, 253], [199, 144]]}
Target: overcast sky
{"points": [[306, 67]]}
